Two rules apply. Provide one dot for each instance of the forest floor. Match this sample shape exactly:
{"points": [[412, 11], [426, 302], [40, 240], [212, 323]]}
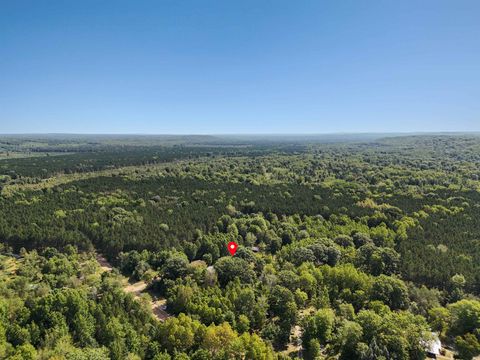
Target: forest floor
{"points": [[449, 355], [157, 303]]}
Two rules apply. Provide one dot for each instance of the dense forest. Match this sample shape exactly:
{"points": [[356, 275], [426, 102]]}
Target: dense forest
{"points": [[348, 248]]}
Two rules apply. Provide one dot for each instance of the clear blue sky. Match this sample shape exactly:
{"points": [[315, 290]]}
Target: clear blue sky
{"points": [[239, 66]]}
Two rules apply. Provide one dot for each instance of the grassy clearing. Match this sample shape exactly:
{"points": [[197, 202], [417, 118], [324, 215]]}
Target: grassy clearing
{"points": [[8, 268], [62, 179]]}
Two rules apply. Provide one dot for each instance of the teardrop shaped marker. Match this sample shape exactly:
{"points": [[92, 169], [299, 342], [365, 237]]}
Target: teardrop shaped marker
{"points": [[232, 247]]}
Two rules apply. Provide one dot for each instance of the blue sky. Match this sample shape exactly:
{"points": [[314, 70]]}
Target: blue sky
{"points": [[243, 66]]}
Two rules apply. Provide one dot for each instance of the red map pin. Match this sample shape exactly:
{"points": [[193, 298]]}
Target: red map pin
{"points": [[232, 247]]}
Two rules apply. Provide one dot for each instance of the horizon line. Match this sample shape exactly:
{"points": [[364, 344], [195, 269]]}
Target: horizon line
{"points": [[248, 134]]}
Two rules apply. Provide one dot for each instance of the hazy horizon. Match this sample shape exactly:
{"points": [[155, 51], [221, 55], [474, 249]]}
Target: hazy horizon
{"points": [[245, 134], [420, 132]]}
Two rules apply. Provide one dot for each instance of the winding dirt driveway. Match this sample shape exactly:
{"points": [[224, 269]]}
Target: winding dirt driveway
{"points": [[157, 304]]}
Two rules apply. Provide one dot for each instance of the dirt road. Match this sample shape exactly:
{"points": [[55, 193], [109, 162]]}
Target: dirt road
{"points": [[157, 304]]}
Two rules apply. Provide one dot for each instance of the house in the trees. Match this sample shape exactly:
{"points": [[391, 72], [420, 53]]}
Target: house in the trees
{"points": [[433, 346]]}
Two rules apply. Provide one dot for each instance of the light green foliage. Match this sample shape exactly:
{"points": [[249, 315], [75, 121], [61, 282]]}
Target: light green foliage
{"points": [[60, 214], [320, 326], [468, 346], [465, 316], [354, 246]]}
